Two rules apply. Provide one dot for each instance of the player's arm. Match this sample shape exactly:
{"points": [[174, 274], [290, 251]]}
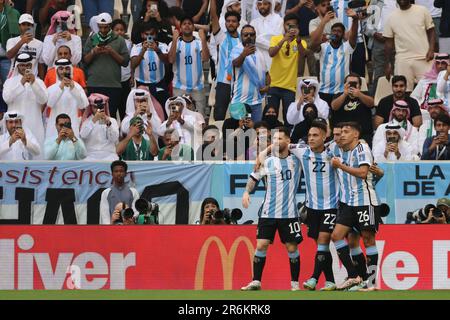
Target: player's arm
{"points": [[360, 172], [251, 184]]}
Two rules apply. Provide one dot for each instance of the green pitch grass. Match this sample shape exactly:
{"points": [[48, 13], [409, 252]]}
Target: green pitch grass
{"points": [[221, 295]]}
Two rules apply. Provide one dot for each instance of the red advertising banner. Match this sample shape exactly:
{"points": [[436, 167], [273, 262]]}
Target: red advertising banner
{"points": [[198, 257]]}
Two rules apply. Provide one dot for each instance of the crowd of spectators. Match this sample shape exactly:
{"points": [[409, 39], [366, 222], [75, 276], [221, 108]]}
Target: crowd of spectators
{"points": [[208, 79]]}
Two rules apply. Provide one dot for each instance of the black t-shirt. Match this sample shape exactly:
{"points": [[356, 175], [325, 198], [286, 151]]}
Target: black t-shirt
{"points": [[304, 14], [386, 104], [192, 7], [353, 110]]}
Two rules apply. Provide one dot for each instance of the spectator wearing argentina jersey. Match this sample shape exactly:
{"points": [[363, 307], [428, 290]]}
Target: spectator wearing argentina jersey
{"points": [[226, 41], [148, 60], [358, 58], [281, 171], [250, 75], [186, 54], [322, 195], [359, 204], [334, 55]]}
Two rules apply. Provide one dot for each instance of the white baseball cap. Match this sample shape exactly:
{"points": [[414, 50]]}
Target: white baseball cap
{"points": [[26, 18], [104, 18]]}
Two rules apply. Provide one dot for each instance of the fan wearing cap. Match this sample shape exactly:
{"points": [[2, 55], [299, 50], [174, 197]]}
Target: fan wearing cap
{"points": [[426, 89], [66, 145], [62, 32], [309, 93], [64, 52], [399, 116], [135, 146], [65, 96], [25, 93], [140, 104], [17, 143], [27, 43], [180, 119], [393, 147], [99, 131], [186, 53], [437, 147], [104, 55], [428, 129]]}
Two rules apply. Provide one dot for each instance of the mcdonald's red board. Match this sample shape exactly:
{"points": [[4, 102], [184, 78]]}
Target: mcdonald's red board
{"points": [[198, 257]]}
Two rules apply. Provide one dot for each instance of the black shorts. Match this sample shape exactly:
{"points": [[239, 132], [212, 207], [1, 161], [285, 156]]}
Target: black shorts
{"points": [[288, 229], [360, 218], [320, 221]]}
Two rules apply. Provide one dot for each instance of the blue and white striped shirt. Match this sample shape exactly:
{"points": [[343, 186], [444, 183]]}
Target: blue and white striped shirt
{"points": [[355, 191], [334, 66], [224, 63], [322, 184], [188, 69], [282, 177], [151, 69]]}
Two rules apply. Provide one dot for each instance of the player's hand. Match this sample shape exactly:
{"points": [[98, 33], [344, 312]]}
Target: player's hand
{"points": [[336, 162], [376, 170], [245, 200]]}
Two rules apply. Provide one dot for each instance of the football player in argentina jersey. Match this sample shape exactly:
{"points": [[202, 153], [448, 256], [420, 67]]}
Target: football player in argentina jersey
{"points": [[281, 172], [358, 203]]}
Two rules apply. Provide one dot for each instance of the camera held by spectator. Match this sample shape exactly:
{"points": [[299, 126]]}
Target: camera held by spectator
{"points": [[148, 211], [122, 215]]}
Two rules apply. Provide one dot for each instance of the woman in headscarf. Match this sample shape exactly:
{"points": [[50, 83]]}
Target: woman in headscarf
{"points": [[65, 96], [99, 131], [271, 117], [62, 32]]}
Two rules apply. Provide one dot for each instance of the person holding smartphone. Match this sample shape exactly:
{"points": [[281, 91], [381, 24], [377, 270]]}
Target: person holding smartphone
{"points": [[437, 147], [394, 147], [27, 43], [99, 131], [66, 145], [179, 119], [354, 105], [65, 96]]}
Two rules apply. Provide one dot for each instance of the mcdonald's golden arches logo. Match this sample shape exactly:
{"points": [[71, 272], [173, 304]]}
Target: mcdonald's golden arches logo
{"points": [[227, 259]]}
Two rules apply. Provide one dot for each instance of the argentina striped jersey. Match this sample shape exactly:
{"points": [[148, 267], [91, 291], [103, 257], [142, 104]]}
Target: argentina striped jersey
{"points": [[188, 69], [322, 185], [151, 69], [282, 177], [355, 191], [224, 64], [334, 66]]}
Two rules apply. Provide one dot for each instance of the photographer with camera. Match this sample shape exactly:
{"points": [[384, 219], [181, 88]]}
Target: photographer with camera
{"points": [[65, 96], [66, 146], [135, 146], [119, 198], [122, 215], [354, 105], [430, 214], [393, 147], [309, 93], [17, 143], [210, 213], [437, 147], [27, 43], [62, 32], [99, 131]]}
